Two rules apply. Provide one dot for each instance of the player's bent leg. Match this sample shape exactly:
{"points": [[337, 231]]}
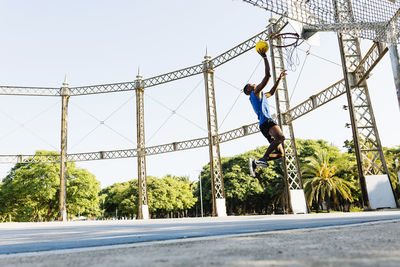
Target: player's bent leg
{"points": [[278, 138], [274, 156], [277, 133], [281, 151], [271, 148]]}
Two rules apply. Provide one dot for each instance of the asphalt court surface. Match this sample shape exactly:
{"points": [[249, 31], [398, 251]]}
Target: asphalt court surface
{"points": [[36, 237]]}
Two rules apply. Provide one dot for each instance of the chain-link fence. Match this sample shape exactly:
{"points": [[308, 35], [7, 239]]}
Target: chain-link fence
{"points": [[376, 20]]}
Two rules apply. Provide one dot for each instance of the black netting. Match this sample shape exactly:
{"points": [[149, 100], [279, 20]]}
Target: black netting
{"points": [[371, 19]]}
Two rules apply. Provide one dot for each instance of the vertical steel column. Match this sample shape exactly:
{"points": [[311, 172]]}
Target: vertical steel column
{"points": [[294, 186], [143, 208], [392, 30], [217, 183], [394, 59], [367, 145], [62, 216]]}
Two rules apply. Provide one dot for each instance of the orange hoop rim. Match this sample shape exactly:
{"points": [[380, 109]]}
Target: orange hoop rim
{"points": [[288, 39]]}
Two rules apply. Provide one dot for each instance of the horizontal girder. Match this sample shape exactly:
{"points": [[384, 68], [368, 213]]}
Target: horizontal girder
{"points": [[29, 91], [373, 56], [315, 101], [361, 72]]}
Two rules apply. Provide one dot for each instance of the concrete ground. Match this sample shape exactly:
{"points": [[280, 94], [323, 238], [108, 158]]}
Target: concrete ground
{"points": [[365, 244]]}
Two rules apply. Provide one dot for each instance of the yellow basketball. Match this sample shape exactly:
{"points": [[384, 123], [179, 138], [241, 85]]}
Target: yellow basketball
{"points": [[262, 47]]}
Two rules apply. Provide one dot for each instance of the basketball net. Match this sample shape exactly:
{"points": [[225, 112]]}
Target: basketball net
{"points": [[288, 43]]}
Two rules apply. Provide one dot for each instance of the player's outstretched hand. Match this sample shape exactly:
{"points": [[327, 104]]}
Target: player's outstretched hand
{"points": [[262, 53]]}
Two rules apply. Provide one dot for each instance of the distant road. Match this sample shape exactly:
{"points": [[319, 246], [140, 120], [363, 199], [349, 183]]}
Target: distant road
{"points": [[34, 237]]}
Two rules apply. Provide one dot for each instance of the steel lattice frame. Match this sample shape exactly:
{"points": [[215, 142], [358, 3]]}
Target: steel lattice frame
{"points": [[332, 92], [291, 162], [30, 91], [286, 116], [141, 149], [367, 64], [217, 182], [139, 85], [368, 148], [62, 216], [145, 83], [376, 20]]}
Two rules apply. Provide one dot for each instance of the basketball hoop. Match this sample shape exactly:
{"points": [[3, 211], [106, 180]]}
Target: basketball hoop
{"points": [[287, 42], [282, 40]]}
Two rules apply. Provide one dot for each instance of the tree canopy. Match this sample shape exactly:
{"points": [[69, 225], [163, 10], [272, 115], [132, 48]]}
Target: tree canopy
{"points": [[169, 196], [30, 192], [324, 185], [265, 193]]}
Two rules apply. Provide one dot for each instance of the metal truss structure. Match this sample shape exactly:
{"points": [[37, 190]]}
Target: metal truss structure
{"points": [[145, 83], [30, 91], [362, 71], [141, 152], [291, 162], [139, 85], [355, 76], [217, 183], [367, 145], [377, 20], [62, 216], [371, 59]]}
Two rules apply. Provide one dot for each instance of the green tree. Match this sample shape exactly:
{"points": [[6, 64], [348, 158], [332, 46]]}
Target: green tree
{"points": [[346, 168], [245, 194], [307, 148], [121, 199], [324, 184], [392, 156], [82, 192], [169, 196], [30, 192]]}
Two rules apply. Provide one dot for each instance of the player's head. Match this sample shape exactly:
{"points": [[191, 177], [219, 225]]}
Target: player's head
{"points": [[248, 88]]}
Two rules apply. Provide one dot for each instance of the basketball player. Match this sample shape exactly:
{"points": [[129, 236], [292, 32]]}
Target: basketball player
{"points": [[268, 126]]}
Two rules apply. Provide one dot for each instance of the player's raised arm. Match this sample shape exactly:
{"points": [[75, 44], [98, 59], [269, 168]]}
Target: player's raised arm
{"points": [[273, 89], [266, 78]]}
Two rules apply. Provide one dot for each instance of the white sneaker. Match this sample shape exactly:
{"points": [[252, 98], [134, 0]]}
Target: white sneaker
{"points": [[252, 167], [262, 162]]}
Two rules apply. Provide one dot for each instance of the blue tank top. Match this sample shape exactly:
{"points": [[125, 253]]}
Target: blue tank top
{"points": [[260, 107]]}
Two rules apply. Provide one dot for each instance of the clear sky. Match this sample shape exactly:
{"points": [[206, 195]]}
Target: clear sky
{"points": [[99, 41]]}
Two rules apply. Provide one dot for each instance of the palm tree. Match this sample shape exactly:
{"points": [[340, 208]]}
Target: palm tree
{"points": [[322, 183]]}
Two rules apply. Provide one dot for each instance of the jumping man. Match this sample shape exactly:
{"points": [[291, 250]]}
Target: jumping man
{"points": [[268, 126]]}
